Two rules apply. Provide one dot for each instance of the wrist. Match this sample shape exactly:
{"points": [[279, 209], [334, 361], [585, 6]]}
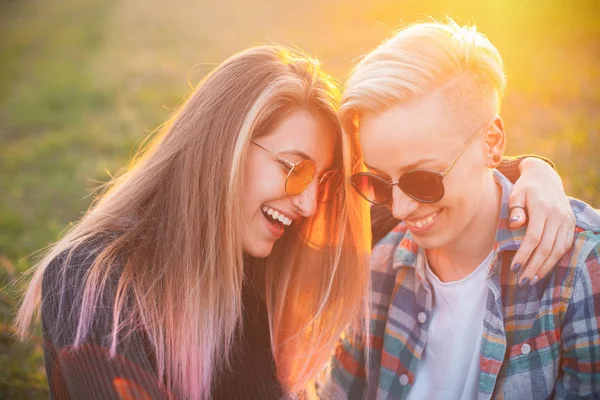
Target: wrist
{"points": [[534, 164]]}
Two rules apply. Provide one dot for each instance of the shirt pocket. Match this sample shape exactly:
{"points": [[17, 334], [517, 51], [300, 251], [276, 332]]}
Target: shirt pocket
{"points": [[531, 367]]}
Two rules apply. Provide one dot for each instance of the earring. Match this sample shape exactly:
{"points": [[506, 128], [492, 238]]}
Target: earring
{"points": [[495, 161]]}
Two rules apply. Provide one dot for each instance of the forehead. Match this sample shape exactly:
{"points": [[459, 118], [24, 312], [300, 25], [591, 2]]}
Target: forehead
{"points": [[305, 132], [407, 133]]}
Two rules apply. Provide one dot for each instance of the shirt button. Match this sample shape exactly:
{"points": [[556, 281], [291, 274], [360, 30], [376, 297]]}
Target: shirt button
{"points": [[525, 349], [422, 317], [403, 379]]}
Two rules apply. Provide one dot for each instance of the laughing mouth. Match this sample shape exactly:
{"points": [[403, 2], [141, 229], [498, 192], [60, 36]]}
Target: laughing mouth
{"points": [[421, 223], [275, 216]]}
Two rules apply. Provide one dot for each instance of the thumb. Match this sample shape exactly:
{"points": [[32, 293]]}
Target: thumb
{"points": [[518, 216]]}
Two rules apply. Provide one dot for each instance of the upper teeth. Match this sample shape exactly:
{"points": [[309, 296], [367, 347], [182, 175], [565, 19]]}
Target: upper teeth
{"points": [[277, 216], [422, 222]]}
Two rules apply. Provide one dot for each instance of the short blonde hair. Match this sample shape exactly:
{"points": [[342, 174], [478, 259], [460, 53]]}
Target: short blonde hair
{"points": [[420, 60]]}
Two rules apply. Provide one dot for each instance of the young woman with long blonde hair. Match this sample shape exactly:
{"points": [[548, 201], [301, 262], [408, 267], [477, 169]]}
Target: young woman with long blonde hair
{"points": [[167, 250], [226, 261]]}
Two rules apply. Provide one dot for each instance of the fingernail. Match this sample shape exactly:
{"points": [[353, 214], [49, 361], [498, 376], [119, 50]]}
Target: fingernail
{"points": [[516, 267], [534, 281], [515, 218], [524, 282]]}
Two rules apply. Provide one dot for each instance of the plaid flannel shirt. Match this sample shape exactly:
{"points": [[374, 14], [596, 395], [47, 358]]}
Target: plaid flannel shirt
{"points": [[538, 342]]}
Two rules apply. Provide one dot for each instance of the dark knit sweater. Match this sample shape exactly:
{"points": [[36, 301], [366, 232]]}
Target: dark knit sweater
{"points": [[88, 373]]}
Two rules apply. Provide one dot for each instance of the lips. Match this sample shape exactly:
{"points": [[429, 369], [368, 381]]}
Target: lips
{"points": [[423, 222]]}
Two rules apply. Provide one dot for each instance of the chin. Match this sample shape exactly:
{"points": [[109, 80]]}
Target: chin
{"points": [[424, 243], [259, 250], [431, 242]]}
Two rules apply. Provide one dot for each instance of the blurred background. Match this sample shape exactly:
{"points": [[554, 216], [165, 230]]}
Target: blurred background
{"points": [[83, 81]]}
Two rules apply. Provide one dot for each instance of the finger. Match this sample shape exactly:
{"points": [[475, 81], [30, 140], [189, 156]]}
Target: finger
{"points": [[563, 243], [533, 235], [546, 250], [517, 216]]}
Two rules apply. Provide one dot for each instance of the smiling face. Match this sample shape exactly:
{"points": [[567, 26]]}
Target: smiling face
{"points": [[299, 136], [421, 135]]}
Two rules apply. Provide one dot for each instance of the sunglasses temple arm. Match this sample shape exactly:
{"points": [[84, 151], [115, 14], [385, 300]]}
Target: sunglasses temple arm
{"points": [[445, 172], [283, 160]]}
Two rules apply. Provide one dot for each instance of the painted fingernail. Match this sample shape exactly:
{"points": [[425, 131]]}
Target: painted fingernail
{"points": [[516, 267], [515, 218], [524, 282], [534, 281]]}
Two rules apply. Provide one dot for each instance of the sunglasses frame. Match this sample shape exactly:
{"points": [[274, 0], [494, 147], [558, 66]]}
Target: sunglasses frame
{"points": [[439, 176], [292, 165]]}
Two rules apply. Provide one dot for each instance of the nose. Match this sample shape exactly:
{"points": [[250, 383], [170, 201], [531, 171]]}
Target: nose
{"points": [[307, 200], [402, 205]]}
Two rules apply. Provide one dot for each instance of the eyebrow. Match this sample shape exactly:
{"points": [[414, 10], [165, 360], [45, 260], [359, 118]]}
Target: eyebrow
{"points": [[375, 169], [305, 156], [298, 153]]}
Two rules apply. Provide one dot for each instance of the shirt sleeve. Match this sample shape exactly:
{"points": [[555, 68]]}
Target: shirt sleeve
{"points": [[89, 370], [346, 376], [579, 375]]}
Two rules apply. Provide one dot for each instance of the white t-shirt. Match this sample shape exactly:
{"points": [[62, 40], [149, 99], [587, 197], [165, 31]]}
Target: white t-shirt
{"points": [[449, 368]]}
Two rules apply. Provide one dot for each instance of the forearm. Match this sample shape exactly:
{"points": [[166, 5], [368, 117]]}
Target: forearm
{"points": [[512, 167]]}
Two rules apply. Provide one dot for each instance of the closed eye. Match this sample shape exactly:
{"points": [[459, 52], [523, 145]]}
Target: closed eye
{"points": [[286, 167], [380, 174]]}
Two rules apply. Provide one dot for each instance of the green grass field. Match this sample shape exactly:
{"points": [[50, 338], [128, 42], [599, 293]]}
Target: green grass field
{"points": [[82, 82]]}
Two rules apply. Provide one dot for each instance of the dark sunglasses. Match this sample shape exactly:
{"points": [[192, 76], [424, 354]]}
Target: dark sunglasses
{"points": [[422, 185], [300, 175]]}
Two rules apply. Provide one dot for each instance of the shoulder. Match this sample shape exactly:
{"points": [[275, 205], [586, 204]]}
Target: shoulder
{"points": [[63, 290], [67, 270], [129, 354], [382, 223], [585, 253], [388, 235], [576, 276], [64, 277], [587, 218], [587, 234]]}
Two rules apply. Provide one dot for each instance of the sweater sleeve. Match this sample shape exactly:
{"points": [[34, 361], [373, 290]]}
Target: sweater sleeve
{"points": [[382, 220], [88, 370], [509, 166]]}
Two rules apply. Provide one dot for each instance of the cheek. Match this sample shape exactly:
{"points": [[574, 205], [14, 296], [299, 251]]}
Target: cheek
{"points": [[262, 182], [462, 200], [464, 185]]}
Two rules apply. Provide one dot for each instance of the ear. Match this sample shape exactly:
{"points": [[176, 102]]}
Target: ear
{"points": [[495, 141]]}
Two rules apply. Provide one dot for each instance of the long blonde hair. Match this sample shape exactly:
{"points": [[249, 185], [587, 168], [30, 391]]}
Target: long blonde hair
{"points": [[169, 227]]}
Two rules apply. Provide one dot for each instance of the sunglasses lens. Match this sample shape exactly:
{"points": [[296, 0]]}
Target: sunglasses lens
{"points": [[372, 188], [300, 177], [330, 185], [424, 186]]}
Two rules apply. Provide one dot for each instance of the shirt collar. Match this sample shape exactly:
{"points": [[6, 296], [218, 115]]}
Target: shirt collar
{"points": [[408, 251]]}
